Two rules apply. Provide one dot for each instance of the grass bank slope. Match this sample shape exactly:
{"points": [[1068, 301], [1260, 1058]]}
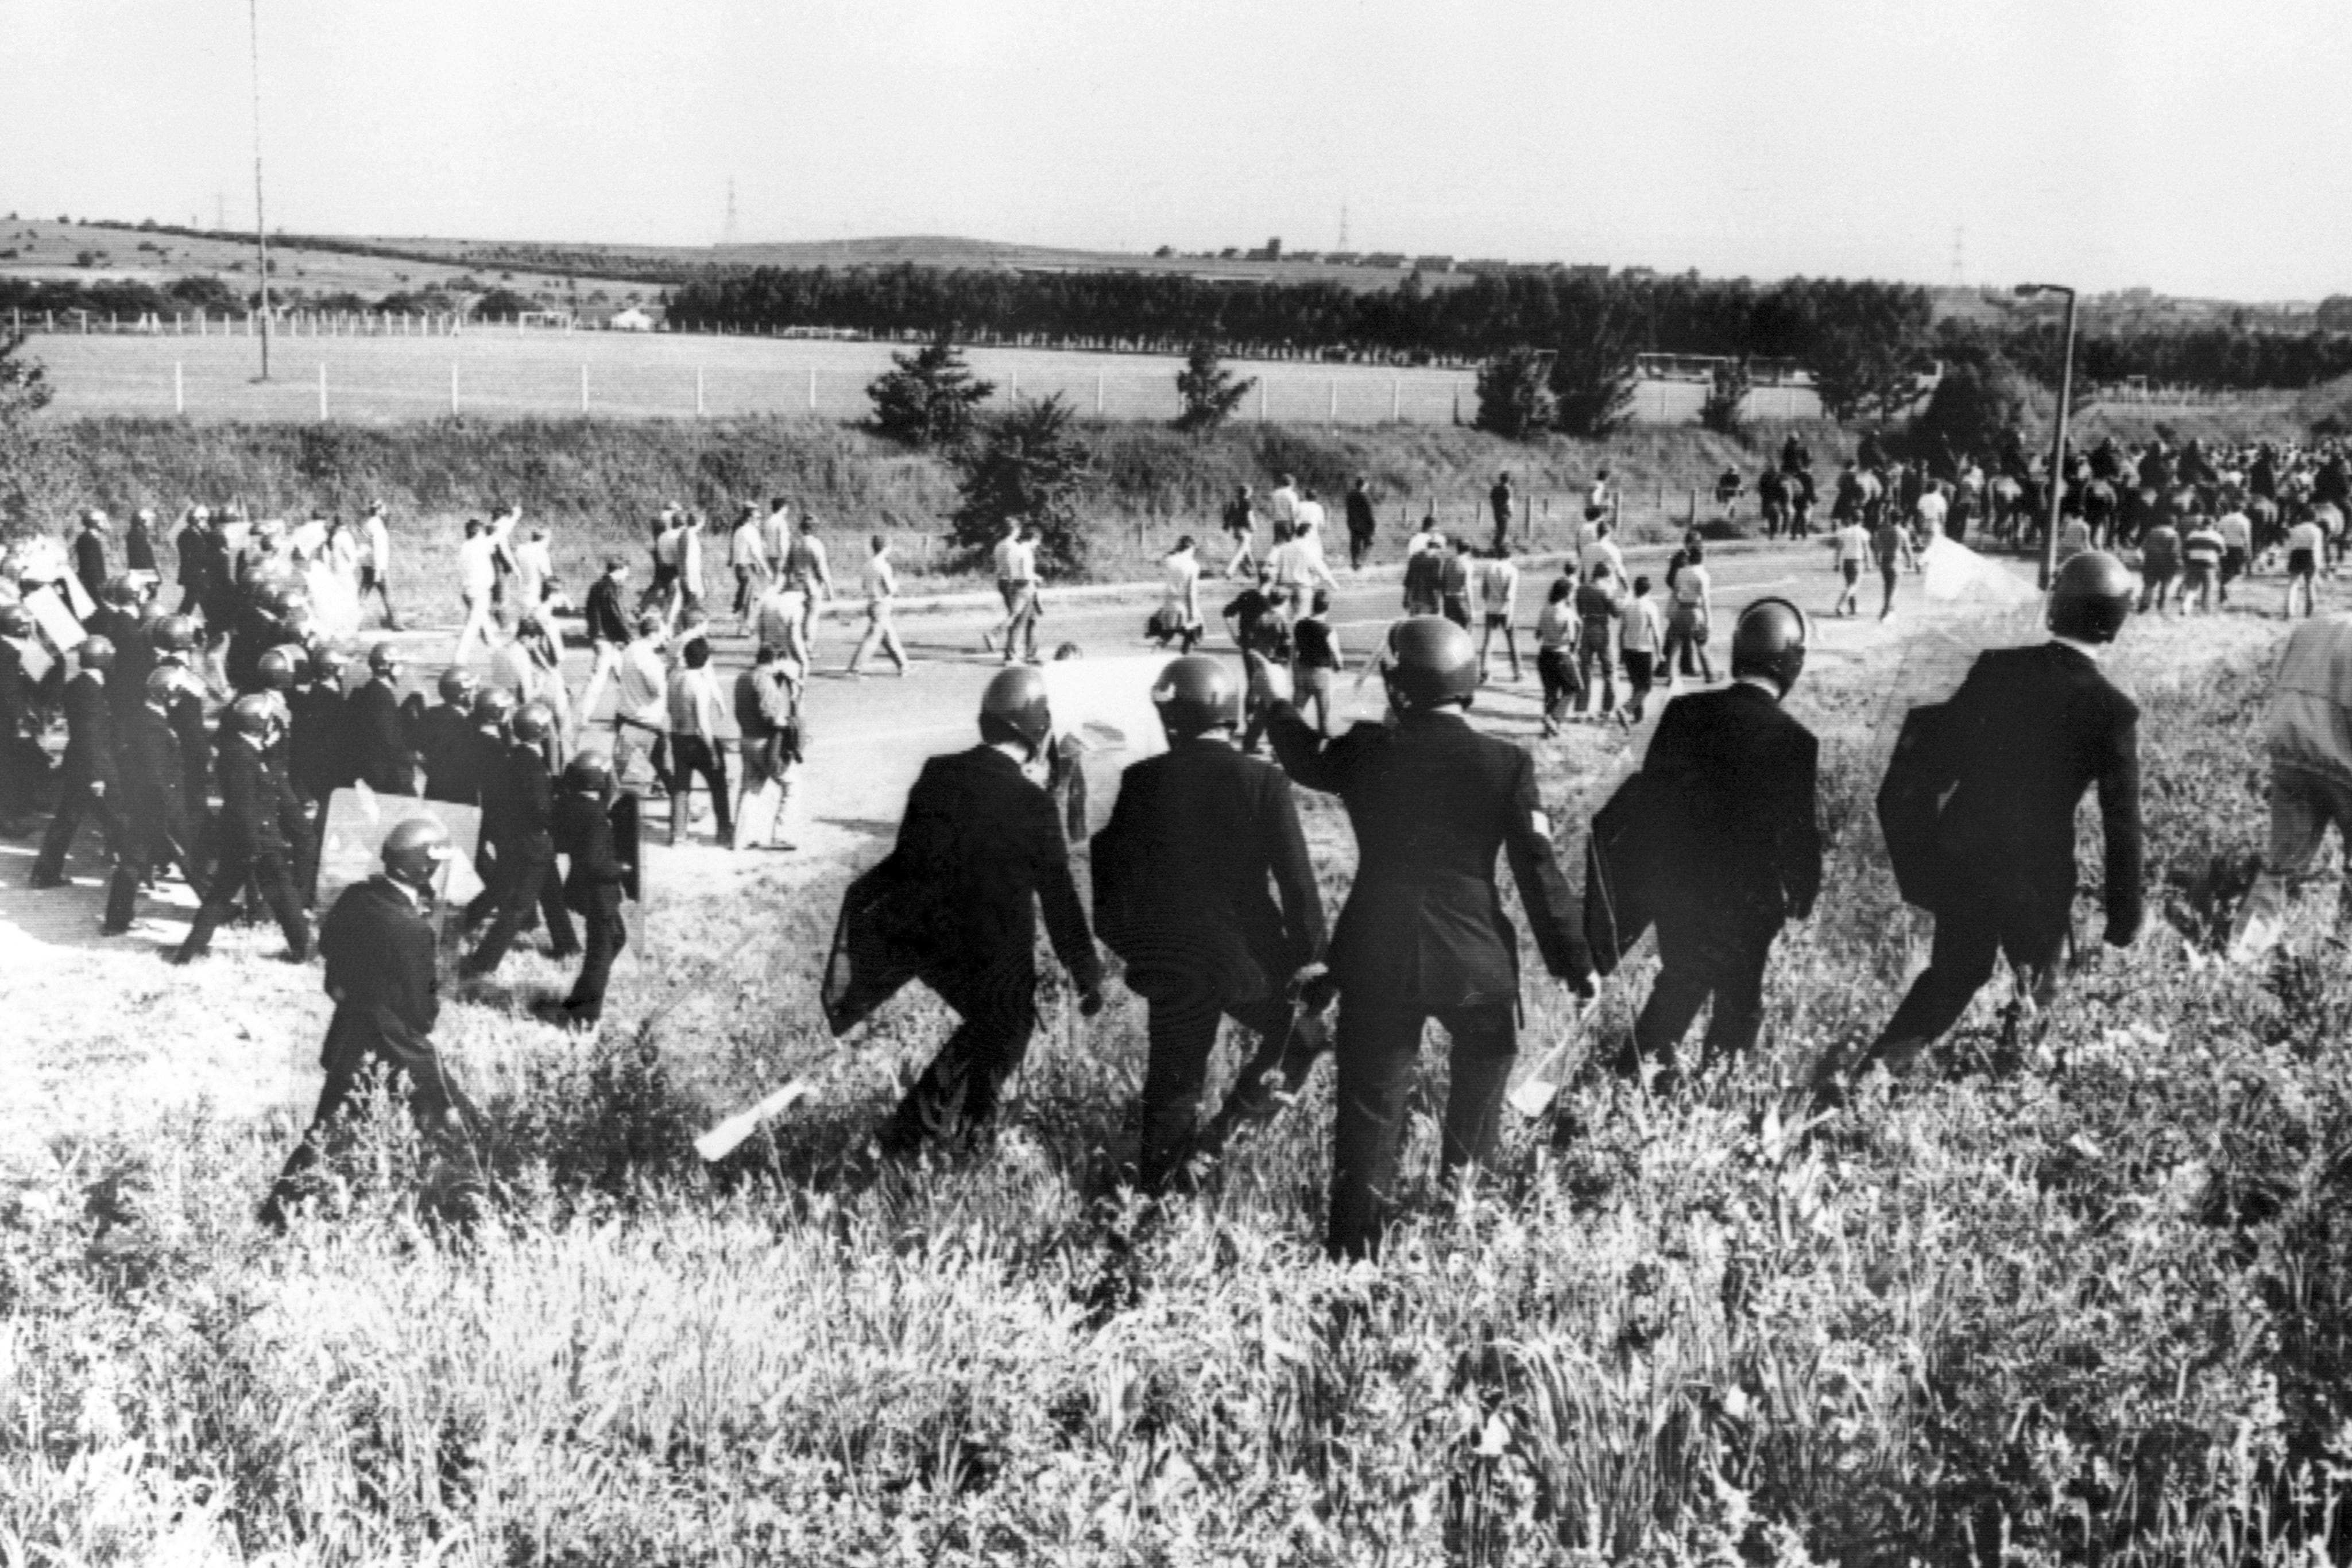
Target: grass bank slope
{"points": [[2092, 1310]]}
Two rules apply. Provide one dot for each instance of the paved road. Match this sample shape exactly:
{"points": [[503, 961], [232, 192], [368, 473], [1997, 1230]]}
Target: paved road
{"points": [[872, 734]]}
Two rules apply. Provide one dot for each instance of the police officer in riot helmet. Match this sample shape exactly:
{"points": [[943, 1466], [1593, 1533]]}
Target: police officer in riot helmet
{"points": [[88, 782], [251, 842], [582, 829], [378, 736], [378, 943], [443, 739], [1735, 779], [980, 848], [2004, 764], [157, 827], [1204, 886], [517, 812], [1433, 802]]}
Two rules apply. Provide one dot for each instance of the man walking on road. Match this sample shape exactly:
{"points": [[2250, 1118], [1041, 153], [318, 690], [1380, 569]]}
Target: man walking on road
{"points": [[881, 587], [1362, 524], [1500, 501]]}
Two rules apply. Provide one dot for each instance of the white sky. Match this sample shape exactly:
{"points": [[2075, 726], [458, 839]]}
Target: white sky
{"points": [[2199, 148]]}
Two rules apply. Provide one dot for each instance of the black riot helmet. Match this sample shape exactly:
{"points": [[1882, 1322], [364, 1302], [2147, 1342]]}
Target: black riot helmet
{"points": [[415, 850], [589, 773], [95, 654], [1769, 641], [1432, 661], [1196, 694], [174, 634], [457, 687], [1013, 709], [493, 705], [2091, 597], [532, 723]]}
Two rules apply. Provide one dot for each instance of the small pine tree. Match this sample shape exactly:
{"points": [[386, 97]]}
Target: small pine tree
{"points": [[1513, 401], [1592, 386], [929, 398], [1724, 411], [1024, 463], [32, 484], [1210, 392]]}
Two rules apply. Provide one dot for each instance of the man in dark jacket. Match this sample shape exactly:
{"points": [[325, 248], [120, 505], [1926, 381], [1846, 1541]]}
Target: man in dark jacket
{"points": [[250, 842], [90, 554], [317, 749], [1182, 882], [87, 782], [1422, 935], [446, 744], [175, 639], [378, 944], [1364, 526], [156, 827], [1736, 777], [2009, 758], [581, 831], [517, 809], [379, 742], [979, 850]]}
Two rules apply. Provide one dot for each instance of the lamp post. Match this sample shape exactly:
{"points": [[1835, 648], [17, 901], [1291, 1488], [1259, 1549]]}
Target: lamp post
{"points": [[2058, 444]]}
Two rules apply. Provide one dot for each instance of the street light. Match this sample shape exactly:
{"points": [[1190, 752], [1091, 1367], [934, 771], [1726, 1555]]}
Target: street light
{"points": [[2058, 444]]}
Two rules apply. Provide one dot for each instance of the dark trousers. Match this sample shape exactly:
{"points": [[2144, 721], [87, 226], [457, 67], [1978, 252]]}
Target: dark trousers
{"points": [[1378, 1047], [692, 754], [1182, 1032], [302, 844], [1556, 668], [1592, 661], [1974, 930], [1359, 547], [607, 936], [960, 1091], [75, 800], [1640, 669], [267, 873], [447, 1121], [1701, 961], [525, 882]]}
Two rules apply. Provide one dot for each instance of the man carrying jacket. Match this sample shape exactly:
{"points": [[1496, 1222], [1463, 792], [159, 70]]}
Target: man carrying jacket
{"points": [[979, 850], [1182, 877], [2009, 758], [378, 944], [1737, 778], [1422, 935]]}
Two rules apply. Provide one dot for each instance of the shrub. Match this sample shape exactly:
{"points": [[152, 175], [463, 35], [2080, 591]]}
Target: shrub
{"points": [[1513, 401], [1209, 390], [929, 398], [32, 479], [1724, 411], [1592, 386], [1026, 465]]}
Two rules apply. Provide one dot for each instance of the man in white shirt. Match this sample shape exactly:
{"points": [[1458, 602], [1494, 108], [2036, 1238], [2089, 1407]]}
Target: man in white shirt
{"points": [[804, 567], [1498, 602], [375, 563], [1282, 505], [477, 577], [534, 561], [1310, 512], [747, 555], [640, 703], [881, 587], [1016, 581], [781, 620], [1601, 550], [1930, 512], [2237, 531], [1851, 545]]}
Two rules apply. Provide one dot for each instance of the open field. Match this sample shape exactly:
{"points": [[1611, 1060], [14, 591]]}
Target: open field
{"points": [[2092, 1312]]}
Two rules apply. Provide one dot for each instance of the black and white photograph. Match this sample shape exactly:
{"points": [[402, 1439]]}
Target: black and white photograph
{"points": [[1231, 786]]}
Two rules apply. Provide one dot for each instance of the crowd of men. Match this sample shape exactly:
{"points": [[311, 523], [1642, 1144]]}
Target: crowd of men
{"points": [[1202, 885]]}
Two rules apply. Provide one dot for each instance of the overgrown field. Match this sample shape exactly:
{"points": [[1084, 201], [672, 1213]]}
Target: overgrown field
{"points": [[2094, 1312], [597, 482]]}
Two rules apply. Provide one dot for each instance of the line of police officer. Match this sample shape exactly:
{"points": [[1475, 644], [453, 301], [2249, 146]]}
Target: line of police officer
{"points": [[1203, 885]]}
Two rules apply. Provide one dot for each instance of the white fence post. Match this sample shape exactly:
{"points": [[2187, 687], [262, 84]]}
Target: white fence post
{"points": [[453, 389], [322, 391], [698, 391], [584, 389], [1333, 417], [1098, 394], [811, 389], [1261, 400], [179, 389], [1396, 399]]}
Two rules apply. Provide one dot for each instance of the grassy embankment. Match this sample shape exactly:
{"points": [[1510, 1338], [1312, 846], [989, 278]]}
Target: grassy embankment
{"points": [[597, 482], [2093, 1312]]}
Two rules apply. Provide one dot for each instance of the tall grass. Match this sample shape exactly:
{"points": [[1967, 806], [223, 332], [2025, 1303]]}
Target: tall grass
{"points": [[2093, 1312]]}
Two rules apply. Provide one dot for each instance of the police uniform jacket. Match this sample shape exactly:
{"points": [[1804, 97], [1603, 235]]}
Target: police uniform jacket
{"points": [[980, 849], [517, 806], [379, 951], [318, 754], [1433, 802], [251, 793], [2027, 733], [1739, 777], [154, 778], [379, 745], [447, 745], [583, 831], [89, 733], [90, 561], [1187, 873]]}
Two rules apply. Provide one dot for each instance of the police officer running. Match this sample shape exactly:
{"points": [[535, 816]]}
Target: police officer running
{"points": [[580, 828], [517, 809], [378, 944], [980, 849], [156, 826], [1736, 778], [2006, 763], [1422, 933], [1180, 878], [87, 776], [251, 839]]}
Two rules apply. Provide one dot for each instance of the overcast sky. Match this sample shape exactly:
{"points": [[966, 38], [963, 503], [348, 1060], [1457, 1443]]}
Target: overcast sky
{"points": [[2197, 148]]}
